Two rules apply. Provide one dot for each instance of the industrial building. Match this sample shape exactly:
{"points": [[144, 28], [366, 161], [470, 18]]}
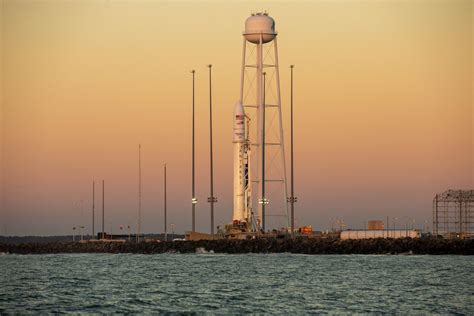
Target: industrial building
{"points": [[453, 214], [376, 225]]}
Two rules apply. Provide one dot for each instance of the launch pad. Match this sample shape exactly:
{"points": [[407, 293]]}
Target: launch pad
{"points": [[260, 199]]}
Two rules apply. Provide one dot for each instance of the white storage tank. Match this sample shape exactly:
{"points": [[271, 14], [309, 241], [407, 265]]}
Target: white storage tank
{"points": [[259, 24]]}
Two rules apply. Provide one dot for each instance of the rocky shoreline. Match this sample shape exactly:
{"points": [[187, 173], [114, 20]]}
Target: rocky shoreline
{"points": [[261, 245]]}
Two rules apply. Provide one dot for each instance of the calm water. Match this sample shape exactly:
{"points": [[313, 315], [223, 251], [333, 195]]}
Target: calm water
{"points": [[276, 283]]}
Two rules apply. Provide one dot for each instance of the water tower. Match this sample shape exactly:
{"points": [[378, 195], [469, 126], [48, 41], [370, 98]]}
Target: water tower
{"points": [[259, 161]]}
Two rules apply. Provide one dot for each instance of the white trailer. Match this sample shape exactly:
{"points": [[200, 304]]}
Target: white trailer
{"points": [[390, 233]]}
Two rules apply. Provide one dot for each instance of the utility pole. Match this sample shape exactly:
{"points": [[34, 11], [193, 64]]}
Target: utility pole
{"points": [[166, 230], [211, 199], [193, 193]]}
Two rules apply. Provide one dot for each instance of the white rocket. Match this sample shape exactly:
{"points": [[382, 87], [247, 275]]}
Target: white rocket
{"points": [[241, 165]]}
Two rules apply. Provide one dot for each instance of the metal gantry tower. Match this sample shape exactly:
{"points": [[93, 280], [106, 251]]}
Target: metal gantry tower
{"points": [[262, 102], [453, 214]]}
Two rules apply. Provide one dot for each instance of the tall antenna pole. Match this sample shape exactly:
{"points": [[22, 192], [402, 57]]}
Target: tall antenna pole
{"points": [[264, 201], [211, 199], [139, 222], [93, 209], [103, 209], [292, 199], [166, 231], [193, 198]]}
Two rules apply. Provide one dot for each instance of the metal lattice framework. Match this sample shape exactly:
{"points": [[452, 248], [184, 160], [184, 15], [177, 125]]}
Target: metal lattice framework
{"points": [[453, 214], [258, 59]]}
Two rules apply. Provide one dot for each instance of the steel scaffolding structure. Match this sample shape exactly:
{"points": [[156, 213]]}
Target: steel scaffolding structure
{"points": [[453, 214]]}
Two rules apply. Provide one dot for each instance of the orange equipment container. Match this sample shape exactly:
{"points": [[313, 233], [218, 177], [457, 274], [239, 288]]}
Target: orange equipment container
{"points": [[306, 230]]}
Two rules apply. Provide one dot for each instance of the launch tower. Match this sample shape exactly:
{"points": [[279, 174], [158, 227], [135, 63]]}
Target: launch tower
{"points": [[260, 188]]}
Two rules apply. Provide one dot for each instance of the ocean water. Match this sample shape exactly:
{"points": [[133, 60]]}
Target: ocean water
{"points": [[224, 284]]}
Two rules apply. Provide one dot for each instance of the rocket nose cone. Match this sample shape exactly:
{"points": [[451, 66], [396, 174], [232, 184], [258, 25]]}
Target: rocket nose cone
{"points": [[239, 108]]}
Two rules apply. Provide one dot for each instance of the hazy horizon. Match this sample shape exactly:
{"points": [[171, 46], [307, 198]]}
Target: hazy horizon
{"points": [[383, 108]]}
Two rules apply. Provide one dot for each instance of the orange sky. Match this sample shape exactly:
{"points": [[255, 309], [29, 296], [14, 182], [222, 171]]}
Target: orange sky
{"points": [[383, 107]]}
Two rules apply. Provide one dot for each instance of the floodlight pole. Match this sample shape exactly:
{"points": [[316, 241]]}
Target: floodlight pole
{"points": [[139, 219], [211, 199], [292, 199], [193, 198], [103, 209], [93, 209], [263, 201], [165, 223]]}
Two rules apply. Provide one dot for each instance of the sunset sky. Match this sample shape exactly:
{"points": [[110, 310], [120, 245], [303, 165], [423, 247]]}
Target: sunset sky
{"points": [[383, 108]]}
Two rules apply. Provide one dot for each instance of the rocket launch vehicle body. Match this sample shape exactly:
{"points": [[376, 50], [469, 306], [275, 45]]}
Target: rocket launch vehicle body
{"points": [[242, 209]]}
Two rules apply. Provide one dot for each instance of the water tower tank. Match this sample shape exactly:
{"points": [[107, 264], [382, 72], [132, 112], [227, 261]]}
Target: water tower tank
{"points": [[259, 23]]}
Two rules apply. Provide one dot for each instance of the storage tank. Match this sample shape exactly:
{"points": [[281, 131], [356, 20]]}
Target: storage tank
{"points": [[259, 24]]}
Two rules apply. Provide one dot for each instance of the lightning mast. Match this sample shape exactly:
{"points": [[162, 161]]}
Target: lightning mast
{"points": [[93, 209], [292, 199], [164, 204], [139, 219], [193, 180], [103, 209], [211, 199]]}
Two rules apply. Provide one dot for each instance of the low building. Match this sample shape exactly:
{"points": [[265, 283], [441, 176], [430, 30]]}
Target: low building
{"points": [[374, 233], [199, 236], [376, 225]]}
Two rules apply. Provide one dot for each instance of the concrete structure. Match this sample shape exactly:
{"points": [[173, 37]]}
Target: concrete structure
{"points": [[376, 225], [367, 234]]}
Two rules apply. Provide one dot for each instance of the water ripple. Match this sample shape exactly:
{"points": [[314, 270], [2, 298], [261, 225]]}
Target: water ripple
{"points": [[223, 284]]}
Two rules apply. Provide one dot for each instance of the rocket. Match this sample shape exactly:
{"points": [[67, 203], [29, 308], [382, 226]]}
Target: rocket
{"points": [[241, 165]]}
